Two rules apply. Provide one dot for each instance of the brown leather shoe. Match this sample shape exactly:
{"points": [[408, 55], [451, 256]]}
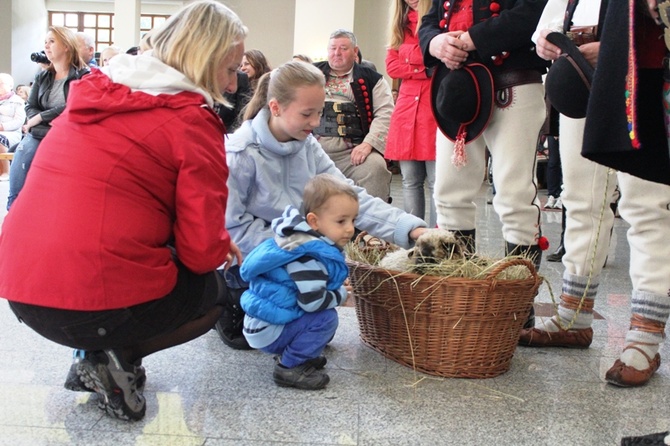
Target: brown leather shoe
{"points": [[535, 337], [623, 375]]}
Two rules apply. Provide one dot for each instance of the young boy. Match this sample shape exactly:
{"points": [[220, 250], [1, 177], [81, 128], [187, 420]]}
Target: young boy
{"points": [[296, 281]]}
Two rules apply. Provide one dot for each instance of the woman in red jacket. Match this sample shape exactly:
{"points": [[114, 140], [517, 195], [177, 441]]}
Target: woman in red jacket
{"points": [[411, 137], [113, 245]]}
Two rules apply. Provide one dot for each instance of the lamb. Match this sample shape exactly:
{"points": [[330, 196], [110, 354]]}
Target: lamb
{"points": [[432, 247]]}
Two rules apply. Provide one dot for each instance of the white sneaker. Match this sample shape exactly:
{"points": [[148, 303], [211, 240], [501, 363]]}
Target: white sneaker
{"points": [[558, 204], [550, 202]]}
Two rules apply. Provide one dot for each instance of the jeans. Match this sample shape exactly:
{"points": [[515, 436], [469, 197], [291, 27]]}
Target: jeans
{"points": [[18, 170], [416, 174], [304, 338], [554, 171]]}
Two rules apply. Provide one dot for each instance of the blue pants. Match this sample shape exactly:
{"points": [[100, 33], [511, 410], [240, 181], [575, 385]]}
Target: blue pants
{"points": [[304, 338], [18, 170]]}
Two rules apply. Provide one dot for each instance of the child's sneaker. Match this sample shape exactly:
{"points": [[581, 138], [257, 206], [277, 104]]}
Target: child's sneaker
{"points": [[305, 376], [118, 384]]}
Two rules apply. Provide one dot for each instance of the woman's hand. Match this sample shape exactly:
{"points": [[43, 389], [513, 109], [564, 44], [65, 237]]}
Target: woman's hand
{"points": [[416, 233], [32, 122], [233, 254]]}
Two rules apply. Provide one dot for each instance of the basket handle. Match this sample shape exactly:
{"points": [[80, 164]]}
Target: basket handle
{"points": [[513, 262]]}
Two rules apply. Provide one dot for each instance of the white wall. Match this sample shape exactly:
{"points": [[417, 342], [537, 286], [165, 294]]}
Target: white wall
{"points": [[279, 28]]}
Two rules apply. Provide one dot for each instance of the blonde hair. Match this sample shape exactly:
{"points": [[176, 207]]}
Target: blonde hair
{"points": [[320, 188], [281, 84], [68, 39], [196, 39], [398, 24], [8, 81], [112, 50]]}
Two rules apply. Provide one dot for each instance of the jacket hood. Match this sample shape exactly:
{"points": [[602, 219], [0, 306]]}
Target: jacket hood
{"points": [[257, 131], [132, 83], [292, 230]]}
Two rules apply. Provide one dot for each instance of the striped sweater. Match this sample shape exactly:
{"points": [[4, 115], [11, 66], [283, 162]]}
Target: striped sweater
{"points": [[296, 272]]}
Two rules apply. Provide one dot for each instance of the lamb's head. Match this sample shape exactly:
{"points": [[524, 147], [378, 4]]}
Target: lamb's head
{"points": [[436, 245]]}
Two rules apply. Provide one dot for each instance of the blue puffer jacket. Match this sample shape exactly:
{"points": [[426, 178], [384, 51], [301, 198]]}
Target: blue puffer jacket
{"points": [[272, 295]]}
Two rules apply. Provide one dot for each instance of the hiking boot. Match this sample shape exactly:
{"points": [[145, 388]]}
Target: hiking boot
{"points": [[305, 376], [73, 381], [118, 384]]}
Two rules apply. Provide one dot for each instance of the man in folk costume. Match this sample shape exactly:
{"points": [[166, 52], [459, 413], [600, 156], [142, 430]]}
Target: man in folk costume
{"points": [[356, 116], [465, 40], [586, 184], [626, 129]]}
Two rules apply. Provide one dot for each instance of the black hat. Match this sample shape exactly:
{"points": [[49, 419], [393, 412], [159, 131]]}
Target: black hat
{"points": [[568, 81], [462, 101]]}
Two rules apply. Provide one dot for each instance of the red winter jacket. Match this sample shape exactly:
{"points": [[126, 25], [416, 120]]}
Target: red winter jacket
{"points": [[122, 178], [412, 130]]}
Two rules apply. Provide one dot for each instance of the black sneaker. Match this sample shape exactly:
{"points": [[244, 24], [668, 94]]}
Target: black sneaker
{"points": [[305, 377], [318, 363], [118, 384], [229, 327]]}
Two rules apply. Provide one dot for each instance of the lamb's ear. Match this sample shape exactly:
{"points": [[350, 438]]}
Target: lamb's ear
{"points": [[410, 253]]}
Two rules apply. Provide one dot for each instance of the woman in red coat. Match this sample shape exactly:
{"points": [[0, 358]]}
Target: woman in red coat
{"points": [[112, 246], [411, 137]]}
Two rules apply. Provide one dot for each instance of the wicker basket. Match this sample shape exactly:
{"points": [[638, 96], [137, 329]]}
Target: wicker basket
{"points": [[446, 326]]}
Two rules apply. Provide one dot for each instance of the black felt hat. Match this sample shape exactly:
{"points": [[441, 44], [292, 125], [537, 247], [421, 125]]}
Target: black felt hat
{"points": [[462, 101], [568, 81]]}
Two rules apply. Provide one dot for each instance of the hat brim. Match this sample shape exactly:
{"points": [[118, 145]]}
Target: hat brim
{"points": [[568, 47], [568, 82], [450, 128]]}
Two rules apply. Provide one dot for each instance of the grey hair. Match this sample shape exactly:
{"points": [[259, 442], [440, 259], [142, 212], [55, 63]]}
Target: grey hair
{"points": [[88, 39], [344, 33], [8, 80]]}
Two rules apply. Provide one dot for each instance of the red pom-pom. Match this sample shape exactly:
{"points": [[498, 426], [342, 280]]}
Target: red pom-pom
{"points": [[494, 7], [361, 81], [446, 5], [443, 23], [543, 243]]}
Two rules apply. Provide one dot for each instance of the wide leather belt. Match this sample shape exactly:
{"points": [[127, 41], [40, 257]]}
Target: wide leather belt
{"points": [[340, 119], [513, 78]]}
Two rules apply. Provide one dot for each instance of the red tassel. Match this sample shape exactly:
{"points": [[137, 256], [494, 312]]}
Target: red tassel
{"points": [[458, 158], [543, 243]]}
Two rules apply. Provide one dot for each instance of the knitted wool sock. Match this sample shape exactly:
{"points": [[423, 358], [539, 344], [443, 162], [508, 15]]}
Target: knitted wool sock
{"points": [[573, 290], [653, 310]]}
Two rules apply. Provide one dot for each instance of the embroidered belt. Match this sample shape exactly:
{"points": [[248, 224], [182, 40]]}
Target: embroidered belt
{"points": [[512, 78]]}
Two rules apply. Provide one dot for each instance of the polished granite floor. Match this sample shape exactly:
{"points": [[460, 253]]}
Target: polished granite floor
{"points": [[204, 393]]}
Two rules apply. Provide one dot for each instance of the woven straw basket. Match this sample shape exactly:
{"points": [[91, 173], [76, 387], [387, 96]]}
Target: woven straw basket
{"points": [[446, 326]]}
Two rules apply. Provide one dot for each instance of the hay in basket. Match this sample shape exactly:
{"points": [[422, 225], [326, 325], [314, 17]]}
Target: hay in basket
{"points": [[458, 319]]}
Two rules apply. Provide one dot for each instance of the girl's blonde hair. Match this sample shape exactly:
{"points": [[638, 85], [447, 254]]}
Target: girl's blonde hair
{"points": [[196, 39], [398, 24], [281, 84], [68, 39]]}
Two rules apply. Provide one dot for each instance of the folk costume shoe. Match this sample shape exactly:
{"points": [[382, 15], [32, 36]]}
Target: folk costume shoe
{"points": [[641, 344], [622, 375], [534, 337], [554, 335]]}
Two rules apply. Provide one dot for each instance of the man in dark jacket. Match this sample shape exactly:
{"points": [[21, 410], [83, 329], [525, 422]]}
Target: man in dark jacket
{"points": [[356, 116]]}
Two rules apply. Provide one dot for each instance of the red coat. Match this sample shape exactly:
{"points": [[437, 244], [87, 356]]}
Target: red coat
{"points": [[121, 178], [412, 130]]}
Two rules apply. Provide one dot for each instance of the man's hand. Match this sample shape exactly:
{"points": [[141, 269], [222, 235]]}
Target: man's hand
{"points": [[590, 52], [449, 49], [544, 48], [360, 153]]}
